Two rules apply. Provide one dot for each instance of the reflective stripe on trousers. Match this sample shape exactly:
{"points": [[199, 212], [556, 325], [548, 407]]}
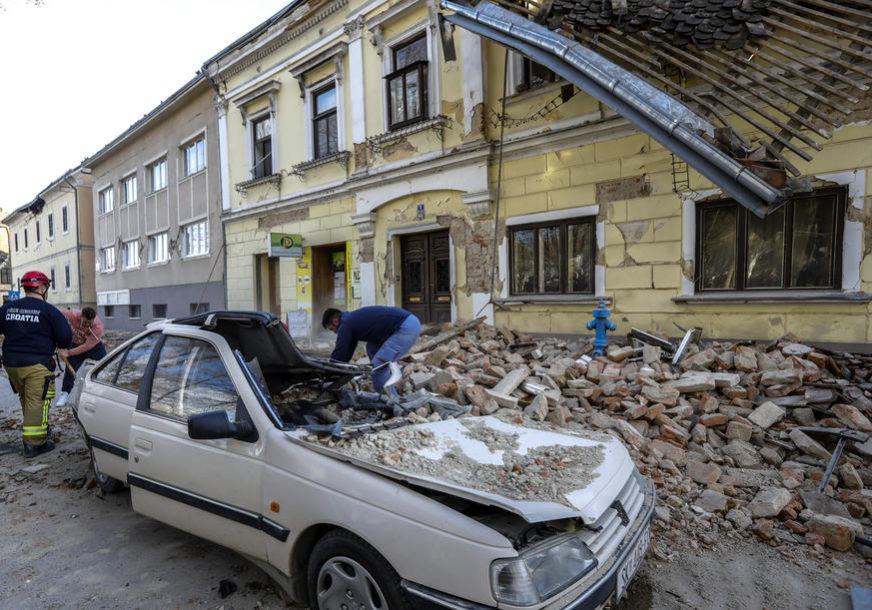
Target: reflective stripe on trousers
{"points": [[35, 386]]}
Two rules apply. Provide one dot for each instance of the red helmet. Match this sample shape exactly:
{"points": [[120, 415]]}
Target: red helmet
{"points": [[32, 279]]}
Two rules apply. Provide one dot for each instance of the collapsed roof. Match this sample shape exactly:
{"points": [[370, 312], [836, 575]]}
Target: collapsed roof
{"points": [[693, 73]]}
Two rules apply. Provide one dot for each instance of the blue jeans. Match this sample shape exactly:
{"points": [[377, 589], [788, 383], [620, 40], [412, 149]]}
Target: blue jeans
{"points": [[96, 352], [394, 348]]}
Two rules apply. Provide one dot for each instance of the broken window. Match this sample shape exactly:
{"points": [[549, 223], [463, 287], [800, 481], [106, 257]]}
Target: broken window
{"points": [[407, 84], [553, 257], [797, 246], [190, 378], [534, 75], [126, 369]]}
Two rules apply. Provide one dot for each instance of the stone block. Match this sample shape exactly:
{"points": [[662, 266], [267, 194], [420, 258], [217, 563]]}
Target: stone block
{"points": [[769, 501], [838, 532], [703, 473], [767, 415], [712, 501]]}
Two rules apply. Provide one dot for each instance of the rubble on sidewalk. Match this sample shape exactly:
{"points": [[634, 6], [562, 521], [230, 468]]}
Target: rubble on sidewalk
{"points": [[718, 431]]}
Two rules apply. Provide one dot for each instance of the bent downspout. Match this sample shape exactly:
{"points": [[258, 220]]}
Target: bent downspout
{"points": [[667, 120], [78, 231]]}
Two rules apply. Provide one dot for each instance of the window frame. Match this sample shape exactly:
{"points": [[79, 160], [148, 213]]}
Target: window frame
{"points": [[104, 257], [109, 311], [421, 68], [317, 117], [38, 234], [166, 248], [127, 247], [53, 276], [15, 235], [26, 241], [265, 118], [106, 201], [126, 182], [50, 226], [563, 225], [68, 277], [840, 199], [199, 145], [162, 173], [154, 311], [65, 219], [186, 239]]}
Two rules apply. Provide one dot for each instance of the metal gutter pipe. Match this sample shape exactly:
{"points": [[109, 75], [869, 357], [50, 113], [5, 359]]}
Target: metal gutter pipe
{"points": [[662, 117]]}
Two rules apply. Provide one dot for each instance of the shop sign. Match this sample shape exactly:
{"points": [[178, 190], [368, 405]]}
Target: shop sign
{"points": [[285, 244]]}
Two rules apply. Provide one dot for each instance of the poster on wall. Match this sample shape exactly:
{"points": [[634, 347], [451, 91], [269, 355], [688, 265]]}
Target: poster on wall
{"points": [[339, 279], [303, 327]]}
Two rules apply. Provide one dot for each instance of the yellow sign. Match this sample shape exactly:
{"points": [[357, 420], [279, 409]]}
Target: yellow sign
{"points": [[285, 244]]}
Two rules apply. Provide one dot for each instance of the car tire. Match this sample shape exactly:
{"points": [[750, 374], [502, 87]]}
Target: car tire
{"points": [[109, 485], [346, 572]]}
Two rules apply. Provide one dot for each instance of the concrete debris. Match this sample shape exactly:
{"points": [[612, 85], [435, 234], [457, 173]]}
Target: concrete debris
{"points": [[717, 430]]}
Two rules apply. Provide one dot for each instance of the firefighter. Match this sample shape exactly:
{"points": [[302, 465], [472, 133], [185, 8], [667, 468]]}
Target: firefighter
{"points": [[32, 331]]}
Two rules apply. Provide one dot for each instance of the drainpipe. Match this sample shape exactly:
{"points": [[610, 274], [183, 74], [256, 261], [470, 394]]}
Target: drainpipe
{"points": [[78, 230]]}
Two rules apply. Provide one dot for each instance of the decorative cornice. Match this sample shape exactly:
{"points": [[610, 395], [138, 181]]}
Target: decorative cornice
{"points": [[478, 204], [335, 52], [325, 11]]}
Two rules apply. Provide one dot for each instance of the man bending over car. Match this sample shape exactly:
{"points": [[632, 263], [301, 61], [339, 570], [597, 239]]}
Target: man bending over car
{"points": [[389, 333]]}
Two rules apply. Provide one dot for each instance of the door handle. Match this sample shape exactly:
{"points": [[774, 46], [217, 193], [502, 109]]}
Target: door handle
{"points": [[89, 407], [142, 445]]}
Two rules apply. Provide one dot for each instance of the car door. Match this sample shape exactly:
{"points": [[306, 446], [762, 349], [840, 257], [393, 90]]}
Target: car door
{"points": [[108, 400], [211, 488]]}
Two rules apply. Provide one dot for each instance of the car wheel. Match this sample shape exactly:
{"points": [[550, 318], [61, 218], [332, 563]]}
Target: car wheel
{"points": [[108, 484], [346, 573]]}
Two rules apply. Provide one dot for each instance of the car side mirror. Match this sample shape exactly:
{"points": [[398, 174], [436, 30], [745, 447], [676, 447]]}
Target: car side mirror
{"points": [[217, 424]]}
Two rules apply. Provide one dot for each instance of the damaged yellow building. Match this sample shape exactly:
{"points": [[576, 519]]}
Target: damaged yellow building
{"points": [[364, 161]]}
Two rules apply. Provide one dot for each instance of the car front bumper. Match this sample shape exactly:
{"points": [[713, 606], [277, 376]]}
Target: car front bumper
{"points": [[593, 596]]}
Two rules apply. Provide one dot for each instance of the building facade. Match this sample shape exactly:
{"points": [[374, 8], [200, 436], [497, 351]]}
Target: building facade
{"points": [[54, 234], [344, 125], [156, 205]]}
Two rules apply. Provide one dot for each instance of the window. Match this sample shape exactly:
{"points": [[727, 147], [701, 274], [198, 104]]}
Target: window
{"points": [[262, 132], [126, 369], [534, 75], [107, 259], [16, 242], [65, 219], [128, 190], [196, 239], [157, 175], [407, 84], [158, 251], [134, 311], [797, 246], [38, 234], [189, 379], [553, 257], [199, 308], [54, 286], [5, 275], [130, 255], [159, 310], [68, 277], [109, 311], [25, 238], [106, 201], [195, 157], [50, 221], [324, 122]]}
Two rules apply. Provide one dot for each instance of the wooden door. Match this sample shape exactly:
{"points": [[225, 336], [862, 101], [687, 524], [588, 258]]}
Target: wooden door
{"points": [[426, 276]]}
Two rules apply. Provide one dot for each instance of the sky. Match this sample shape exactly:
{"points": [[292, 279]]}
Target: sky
{"points": [[74, 74]]}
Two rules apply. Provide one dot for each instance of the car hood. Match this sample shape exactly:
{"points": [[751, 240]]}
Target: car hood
{"points": [[534, 472]]}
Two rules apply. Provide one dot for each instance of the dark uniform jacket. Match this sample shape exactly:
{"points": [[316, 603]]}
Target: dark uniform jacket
{"points": [[32, 330]]}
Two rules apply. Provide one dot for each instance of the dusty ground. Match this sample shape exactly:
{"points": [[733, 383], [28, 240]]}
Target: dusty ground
{"points": [[63, 545]]}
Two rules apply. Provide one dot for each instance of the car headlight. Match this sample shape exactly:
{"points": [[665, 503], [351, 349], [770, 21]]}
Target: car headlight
{"points": [[540, 572]]}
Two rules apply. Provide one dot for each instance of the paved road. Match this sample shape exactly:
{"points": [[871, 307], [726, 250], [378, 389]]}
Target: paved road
{"points": [[63, 545]]}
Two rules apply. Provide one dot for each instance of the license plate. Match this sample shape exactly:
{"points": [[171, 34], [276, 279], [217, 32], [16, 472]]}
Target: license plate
{"points": [[632, 562]]}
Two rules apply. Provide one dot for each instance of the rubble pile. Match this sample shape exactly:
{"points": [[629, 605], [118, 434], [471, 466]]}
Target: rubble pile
{"points": [[730, 433]]}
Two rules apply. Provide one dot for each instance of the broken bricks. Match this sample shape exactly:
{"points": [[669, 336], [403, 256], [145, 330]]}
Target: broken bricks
{"points": [[718, 430]]}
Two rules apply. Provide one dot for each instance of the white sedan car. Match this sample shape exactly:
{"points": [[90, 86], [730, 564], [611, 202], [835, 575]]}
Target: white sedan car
{"points": [[216, 423]]}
